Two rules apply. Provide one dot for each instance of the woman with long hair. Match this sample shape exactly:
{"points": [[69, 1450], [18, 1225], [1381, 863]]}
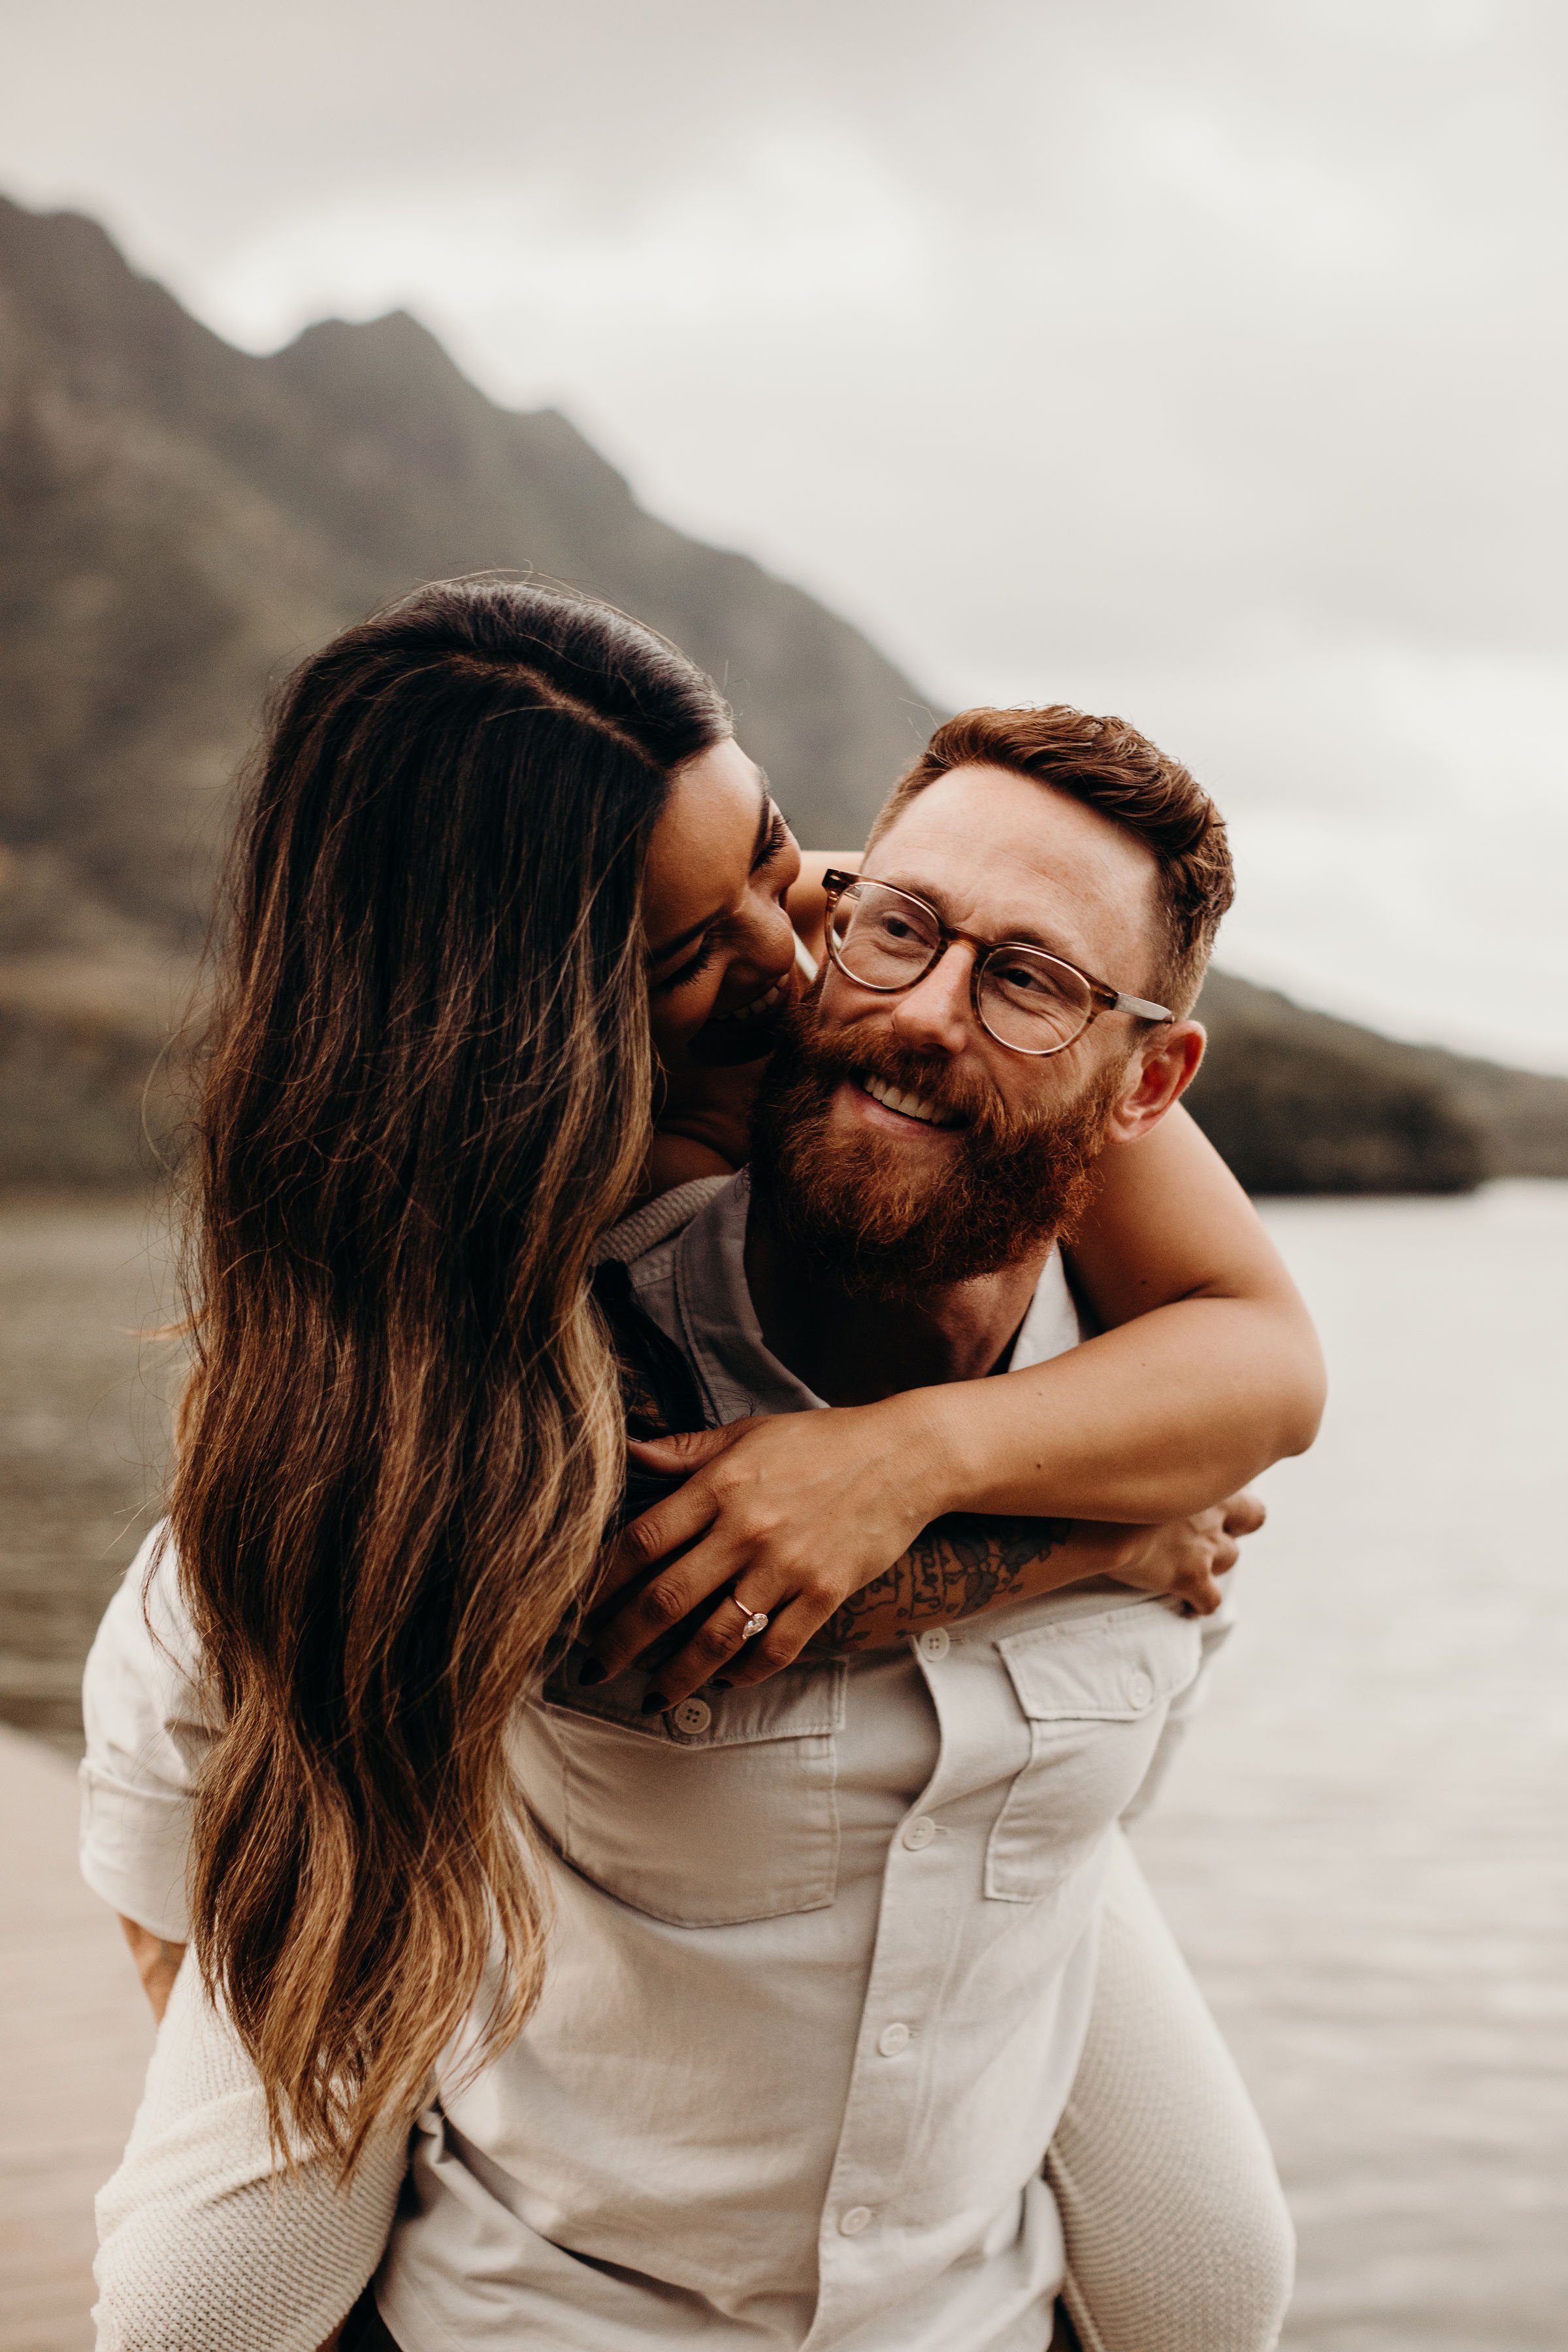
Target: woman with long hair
{"points": [[505, 887]]}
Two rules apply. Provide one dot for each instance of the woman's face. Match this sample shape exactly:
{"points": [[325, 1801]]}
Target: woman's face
{"points": [[721, 946]]}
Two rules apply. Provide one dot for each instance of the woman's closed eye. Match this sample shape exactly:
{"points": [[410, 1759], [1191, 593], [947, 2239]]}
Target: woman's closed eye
{"points": [[695, 964], [774, 842]]}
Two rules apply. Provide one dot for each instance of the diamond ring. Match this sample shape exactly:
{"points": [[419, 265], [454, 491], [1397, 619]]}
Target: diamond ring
{"points": [[756, 1618]]}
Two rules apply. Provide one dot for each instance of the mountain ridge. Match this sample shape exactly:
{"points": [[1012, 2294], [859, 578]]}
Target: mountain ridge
{"points": [[181, 522]]}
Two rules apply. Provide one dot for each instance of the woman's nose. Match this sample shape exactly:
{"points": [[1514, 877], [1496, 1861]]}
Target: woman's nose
{"points": [[769, 941], [936, 1013]]}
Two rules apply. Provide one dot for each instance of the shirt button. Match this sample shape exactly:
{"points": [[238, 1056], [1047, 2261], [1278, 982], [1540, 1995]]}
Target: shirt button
{"points": [[1140, 1691], [692, 1715], [858, 2218], [919, 1833], [934, 1644], [893, 2038]]}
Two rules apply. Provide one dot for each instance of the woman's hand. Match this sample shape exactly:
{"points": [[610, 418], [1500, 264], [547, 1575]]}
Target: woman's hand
{"points": [[1184, 1558], [157, 1963], [797, 1510], [967, 1564], [823, 1523]]}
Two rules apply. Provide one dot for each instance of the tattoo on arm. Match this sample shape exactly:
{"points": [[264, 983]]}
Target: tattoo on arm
{"points": [[958, 1565]]}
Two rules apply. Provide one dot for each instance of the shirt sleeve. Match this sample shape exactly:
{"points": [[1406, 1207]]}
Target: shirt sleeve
{"points": [[204, 2238], [148, 1729]]}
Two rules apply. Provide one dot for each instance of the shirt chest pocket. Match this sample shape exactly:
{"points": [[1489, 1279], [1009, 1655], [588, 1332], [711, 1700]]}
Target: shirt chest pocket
{"points": [[725, 1810], [1094, 1692]]}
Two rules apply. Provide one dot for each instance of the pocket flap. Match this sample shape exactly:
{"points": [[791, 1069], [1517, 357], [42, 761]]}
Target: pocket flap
{"points": [[803, 1702], [1114, 1668]]}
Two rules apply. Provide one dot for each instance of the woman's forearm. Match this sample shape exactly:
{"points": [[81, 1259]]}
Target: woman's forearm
{"points": [[1206, 1368], [1166, 1415]]}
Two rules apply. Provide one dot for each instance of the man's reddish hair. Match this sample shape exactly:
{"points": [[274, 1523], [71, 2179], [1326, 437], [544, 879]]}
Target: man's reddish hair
{"points": [[1109, 767]]}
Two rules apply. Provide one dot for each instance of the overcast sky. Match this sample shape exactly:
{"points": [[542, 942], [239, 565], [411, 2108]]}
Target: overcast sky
{"points": [[1202, 360]]}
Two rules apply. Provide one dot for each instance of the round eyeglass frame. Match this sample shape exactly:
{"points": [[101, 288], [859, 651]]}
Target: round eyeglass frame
{"points": [[1102, 997]]}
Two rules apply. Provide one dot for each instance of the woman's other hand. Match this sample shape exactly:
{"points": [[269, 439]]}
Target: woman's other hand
{"points": [[157, 1962], [1184, 1559], [809, 1519]]}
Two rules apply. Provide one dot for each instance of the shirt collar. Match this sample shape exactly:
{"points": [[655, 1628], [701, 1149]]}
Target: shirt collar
{"points": [[739, 1373]]}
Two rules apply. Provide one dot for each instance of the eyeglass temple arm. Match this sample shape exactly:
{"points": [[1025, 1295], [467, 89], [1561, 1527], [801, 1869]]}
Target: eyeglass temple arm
{"points": [[1140, 1005]]}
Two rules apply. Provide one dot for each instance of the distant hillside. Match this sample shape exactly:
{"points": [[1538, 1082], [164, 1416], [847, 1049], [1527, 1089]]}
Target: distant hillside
{"points": [[180, 521], [1299, 1102]]}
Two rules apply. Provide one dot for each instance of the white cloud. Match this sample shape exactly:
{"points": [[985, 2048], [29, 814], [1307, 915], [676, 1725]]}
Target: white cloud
{"points": [[1207, 363], [798, 219]]}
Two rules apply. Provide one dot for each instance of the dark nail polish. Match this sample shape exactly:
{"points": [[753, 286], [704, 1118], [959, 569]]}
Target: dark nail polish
{"points": [[589, 1672], [655, 1703]]}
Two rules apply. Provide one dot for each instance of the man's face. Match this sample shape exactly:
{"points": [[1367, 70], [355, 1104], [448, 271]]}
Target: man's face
{"points": [[983, 1154]]}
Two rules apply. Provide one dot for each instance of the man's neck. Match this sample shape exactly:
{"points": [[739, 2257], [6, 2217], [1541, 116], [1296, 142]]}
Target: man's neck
{"points": [[853, 1349]]}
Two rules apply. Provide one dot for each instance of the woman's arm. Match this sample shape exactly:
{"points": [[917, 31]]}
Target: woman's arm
{"points": [[1206, 1370], [1210, 1372], [959, 1567], [204, 2237]]}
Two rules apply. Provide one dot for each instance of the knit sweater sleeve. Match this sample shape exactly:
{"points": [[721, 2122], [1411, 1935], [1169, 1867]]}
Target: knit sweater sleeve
{"points": [[203, 2239]]}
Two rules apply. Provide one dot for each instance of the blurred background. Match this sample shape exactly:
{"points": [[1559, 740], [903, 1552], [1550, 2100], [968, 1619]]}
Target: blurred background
{"points": [[1203, 363]]}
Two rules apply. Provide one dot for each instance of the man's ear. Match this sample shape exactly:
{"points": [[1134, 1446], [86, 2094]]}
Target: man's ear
{"points": [[1157, 1076]]}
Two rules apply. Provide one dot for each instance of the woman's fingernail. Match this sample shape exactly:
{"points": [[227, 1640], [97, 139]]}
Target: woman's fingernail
{"points": [[590, 1673], [655, 1703]]}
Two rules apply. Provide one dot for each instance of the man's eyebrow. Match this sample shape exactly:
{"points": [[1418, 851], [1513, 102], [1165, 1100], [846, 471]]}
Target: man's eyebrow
{"points": [[705, 922]]}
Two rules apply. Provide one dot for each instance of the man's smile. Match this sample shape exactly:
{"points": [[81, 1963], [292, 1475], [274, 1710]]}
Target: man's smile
{"points": [[905, 1105]]}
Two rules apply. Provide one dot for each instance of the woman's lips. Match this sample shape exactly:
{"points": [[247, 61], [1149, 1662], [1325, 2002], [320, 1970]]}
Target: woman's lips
{"points": [[748, 1031]]}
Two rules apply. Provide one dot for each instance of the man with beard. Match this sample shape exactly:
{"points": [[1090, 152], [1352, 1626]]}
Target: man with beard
{"points": [[928, 1128], [846, 1915], [825, 1940]]}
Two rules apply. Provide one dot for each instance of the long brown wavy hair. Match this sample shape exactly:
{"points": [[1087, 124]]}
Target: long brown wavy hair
{"points": [[426, 1092]]}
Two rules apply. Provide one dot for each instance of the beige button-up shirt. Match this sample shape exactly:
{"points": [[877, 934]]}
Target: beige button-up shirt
{"points": [[821, 1961]]}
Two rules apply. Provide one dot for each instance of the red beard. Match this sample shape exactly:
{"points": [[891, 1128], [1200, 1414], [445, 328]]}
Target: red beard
{"points": [[885, 1227]]}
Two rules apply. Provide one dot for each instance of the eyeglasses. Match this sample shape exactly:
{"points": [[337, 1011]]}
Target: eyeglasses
{"points": [[1032, 1003]]}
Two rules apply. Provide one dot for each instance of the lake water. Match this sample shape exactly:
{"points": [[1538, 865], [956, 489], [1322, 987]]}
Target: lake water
{"points": [[1362, 1846]]}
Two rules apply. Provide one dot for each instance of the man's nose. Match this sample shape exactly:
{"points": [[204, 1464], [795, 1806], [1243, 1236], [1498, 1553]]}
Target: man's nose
{"points": [[936, 1013]]}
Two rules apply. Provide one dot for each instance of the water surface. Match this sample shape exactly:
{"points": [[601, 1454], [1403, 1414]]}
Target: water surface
{"points": [[1364, 1846]]}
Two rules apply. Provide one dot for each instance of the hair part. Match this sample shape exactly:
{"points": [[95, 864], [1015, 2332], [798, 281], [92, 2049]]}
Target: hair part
{"points": [[1110, 768], [426, 1093]]}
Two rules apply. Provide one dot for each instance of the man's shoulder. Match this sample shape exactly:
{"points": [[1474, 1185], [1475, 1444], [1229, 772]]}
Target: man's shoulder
{"points": [[656, 1226]]}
